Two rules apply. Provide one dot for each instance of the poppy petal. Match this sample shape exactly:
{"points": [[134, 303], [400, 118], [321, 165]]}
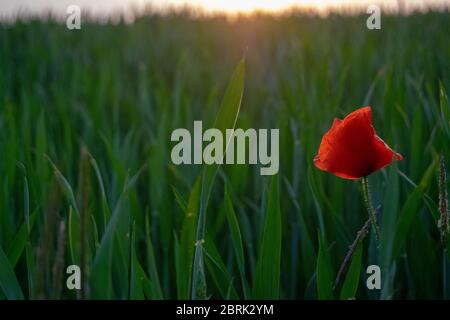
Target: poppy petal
{"points": [[351, 149]]}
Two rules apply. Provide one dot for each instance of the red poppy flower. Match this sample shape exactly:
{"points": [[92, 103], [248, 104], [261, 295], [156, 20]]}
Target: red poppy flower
{"points": [[351, 149]]}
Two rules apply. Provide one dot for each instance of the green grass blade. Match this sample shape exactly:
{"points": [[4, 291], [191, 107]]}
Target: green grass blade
{"points": [[351, 281], [324, 272], [156, 291], [187, 243], [8, 281], [237, 240], [218, 271], [102, 267], [136, 279], [390, 212], [410, 211], [19, 241], [226, 119], [267, 275]]}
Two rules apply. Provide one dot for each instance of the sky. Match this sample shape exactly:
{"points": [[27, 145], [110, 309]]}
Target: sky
{"points": [[11, 7]]}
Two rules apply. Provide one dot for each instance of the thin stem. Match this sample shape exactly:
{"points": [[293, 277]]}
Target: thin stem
{"points": [[369, 207], [348, 257]]}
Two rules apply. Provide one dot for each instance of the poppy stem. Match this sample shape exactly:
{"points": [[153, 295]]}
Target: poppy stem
{"points": [[369, 207]]}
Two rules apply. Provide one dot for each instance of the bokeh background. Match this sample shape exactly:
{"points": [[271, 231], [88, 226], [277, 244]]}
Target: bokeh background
{"points": [[85, 123]]}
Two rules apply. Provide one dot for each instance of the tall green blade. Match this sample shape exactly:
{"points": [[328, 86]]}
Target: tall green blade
{"points": [[410, 211], [267, 275], [226, 119], [352, 277], [237, 240], [187, 243], [324, 272], [390, 210], [218, 271], [8, 281]]}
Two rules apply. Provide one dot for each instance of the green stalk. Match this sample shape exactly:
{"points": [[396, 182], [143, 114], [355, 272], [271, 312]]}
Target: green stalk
{"points": [[369, 207]]}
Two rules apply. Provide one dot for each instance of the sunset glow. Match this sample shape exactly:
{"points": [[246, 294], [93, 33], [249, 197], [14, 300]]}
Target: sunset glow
{"points": [[102, 7], [240, 6]]}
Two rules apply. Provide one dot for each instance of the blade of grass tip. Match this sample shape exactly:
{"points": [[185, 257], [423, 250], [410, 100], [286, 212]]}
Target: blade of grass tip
{"points": [[267, 275], [65, 185], [105, 207], [180, 199], [226, 119], [237, 240]]}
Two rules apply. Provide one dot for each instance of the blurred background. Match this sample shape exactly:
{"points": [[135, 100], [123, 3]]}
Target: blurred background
{"points": [[85, 123], [106, 7]]}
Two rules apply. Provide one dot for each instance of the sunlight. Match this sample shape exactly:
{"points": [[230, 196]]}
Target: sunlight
{"points": [[233, 6], [248, 6]]}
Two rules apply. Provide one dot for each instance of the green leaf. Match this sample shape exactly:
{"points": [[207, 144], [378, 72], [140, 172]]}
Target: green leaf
{"points": [[19, 241], [65, 185], [236, 237], [218, 271], [102, 266], [226, 119], [155, 286], [187, 243], [324, 272], [8, 281], [267, 275], [351, 281], [390, 210], [136, 280], [180, 200], [410, 210]]}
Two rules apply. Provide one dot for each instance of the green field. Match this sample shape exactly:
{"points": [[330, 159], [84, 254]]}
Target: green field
{"points": [[87, 179]]}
